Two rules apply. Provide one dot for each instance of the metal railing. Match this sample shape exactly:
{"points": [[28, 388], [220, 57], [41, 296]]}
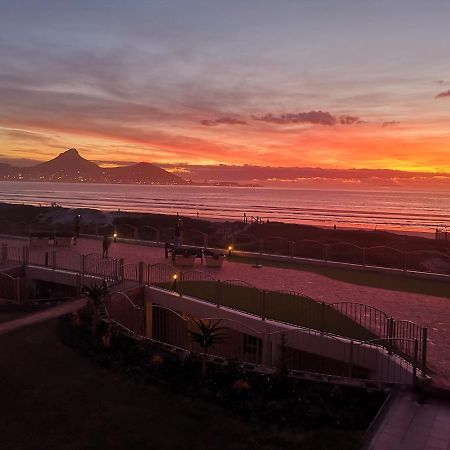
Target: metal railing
{"points": [[352, 320], [338, 358], [380, 256]]}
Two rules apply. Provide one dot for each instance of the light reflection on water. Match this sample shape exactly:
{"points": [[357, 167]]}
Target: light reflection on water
{"points": [[418, 211]]}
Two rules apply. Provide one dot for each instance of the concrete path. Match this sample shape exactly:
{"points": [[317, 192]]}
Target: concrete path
{"points": [[409, 425], [426, 310]]}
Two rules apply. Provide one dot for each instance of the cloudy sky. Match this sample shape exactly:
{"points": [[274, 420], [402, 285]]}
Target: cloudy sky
{"points": [[318, 83]]}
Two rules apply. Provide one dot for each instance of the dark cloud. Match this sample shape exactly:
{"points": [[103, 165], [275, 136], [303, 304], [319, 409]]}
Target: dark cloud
{"points": [[443, 94], [349, 120], [314, 117], [390, 123], [223, 121]]}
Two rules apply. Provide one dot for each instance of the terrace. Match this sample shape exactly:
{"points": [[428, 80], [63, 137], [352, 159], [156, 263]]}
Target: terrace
{"points": [[341, 341]]}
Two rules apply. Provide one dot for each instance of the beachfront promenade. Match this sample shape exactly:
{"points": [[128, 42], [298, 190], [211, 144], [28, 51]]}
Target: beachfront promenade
{"points": [[426, 310]]}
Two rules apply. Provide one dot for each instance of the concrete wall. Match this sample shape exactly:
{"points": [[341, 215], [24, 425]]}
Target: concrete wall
{"points": [[383, 366]]}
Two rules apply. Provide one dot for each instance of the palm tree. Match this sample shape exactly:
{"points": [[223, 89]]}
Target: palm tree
{"points": [[208, 335], [96, 294]]}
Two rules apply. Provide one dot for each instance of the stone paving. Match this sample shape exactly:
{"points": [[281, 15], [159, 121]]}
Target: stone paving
{"points": [[432, 312], [409, 425]]}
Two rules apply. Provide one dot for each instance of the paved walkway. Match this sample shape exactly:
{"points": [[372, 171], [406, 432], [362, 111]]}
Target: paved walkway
{"points": [[409, 425], [432, 312]]}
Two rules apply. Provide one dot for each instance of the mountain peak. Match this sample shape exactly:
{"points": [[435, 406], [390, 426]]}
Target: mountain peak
{"points": [[71, 166], [71, 152]]}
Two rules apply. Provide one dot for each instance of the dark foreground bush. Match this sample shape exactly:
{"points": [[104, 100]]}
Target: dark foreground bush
{"points": [[272, 399]]}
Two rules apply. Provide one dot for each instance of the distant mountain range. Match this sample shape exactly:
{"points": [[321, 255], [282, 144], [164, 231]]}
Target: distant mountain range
{"points": [[69, 166]]}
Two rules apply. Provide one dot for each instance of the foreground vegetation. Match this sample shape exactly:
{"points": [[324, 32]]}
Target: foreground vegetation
{"points": [[62, 388]]}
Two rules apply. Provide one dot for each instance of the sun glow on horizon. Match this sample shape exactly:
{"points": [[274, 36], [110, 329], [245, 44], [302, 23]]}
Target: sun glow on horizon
{"points": [[219, 91]]}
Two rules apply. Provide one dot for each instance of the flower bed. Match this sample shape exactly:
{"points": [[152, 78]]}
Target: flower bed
{"points": [[276, 399]]}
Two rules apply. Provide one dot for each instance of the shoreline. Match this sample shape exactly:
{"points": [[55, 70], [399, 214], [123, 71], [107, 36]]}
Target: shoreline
{"points": [[42, 215], [399, 230], [397, 212]]}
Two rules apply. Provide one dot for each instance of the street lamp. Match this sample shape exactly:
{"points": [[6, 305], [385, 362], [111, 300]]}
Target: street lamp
{"points": [[175, 278]]}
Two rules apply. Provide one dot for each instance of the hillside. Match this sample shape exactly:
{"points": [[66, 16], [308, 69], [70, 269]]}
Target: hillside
{"points": [[70, 166], [67, 166], [142, 173]]}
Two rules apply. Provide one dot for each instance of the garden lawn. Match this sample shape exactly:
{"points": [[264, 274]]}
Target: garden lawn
{"points": [[392, 282], [283, 306], [54, 399]]}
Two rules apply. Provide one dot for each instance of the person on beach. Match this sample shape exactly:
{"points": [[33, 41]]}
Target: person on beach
{"points": [[106, 244], [77, 227], [177, 234]]}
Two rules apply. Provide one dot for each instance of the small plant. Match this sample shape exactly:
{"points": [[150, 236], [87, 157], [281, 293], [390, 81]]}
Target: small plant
{"points": [[241, 385], [96, 294], [156, 360], [106, 338], [209, 334]]}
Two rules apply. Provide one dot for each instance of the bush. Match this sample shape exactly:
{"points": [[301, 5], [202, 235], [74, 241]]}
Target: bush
{"points": [[272, 399]]}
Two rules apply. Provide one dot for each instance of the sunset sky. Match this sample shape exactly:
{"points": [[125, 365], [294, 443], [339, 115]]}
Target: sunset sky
{"points": [[318, 83]]}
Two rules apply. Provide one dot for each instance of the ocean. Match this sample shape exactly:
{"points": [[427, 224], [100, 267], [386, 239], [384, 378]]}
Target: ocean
{"points": [[380, 209]]}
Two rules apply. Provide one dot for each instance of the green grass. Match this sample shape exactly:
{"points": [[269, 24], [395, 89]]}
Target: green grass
{"points": [[392, 282], [54, 399], [294, 309]]}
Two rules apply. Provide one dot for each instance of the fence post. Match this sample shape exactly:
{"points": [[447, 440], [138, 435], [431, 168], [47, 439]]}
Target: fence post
{"points": [[405, 264], [263, 305], [46, 259], [322, 320], [424, 351], [120, 275], [180, 276], [364, 257], [83, 264], [292, 249], [141, 272], [53, 260], [219, 292], [416, 354], [391, 333], [24, 256], [4, 252], [79, 283], [350, 363]]}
